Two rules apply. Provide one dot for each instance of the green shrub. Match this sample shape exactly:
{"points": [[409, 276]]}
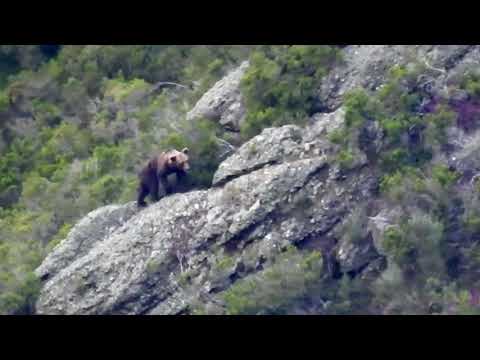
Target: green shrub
{"points": [[394, 159], [20, 300], [275, 289], [359, 107], [34, 185], [175, 140], [59, 236], [46, 113], [129, 189], [9, 173], [426, 234], [66, 142], [108, 158], [395, 127], [471, 83], [398, 246], [351, 297], [444, 175], [396, 95], [339, 136], [107, 189], [472, 224], [437, 123], [463, 304], [279, 84], [4, 102], [354, 229], [119, 89], [418, 240], [225, 263], [345, 159]]}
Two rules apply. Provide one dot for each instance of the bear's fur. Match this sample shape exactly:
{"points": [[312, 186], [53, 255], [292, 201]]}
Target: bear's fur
{"points": [[155, 173]]}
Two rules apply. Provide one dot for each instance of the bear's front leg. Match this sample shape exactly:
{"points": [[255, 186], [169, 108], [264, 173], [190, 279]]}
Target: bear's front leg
{"points": [[166, 186], [181, 177]]}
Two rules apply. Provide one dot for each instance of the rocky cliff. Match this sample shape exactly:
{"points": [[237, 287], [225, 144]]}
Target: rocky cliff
{"points": [[280, 189]]}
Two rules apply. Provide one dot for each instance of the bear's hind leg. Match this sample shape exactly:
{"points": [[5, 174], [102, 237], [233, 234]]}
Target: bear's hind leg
{"points": [[154, 192], [142, 193]]}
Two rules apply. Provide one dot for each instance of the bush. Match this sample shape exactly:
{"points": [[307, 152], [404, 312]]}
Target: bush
{"points": [[339, 136], [359, 107], [417, 241], [4, 102], [106, 189], [35, 185], [279, 84], [397, 246], [355, 228], [402, 185], [9, 172], [345, 159], [471, 83], [120, 89], [66, 143], [444, 175], [351, 297], [46, 114], [427, 237], [20, 300], [437, 123], [394, 160], [275, 289], [395, 107], [108, 158]]}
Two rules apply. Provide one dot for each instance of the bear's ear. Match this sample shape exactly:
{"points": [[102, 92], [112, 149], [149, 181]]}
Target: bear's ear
{"points": [[185, 150]]}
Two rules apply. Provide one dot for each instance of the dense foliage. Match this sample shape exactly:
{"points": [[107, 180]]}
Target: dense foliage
{"points": [[279, 86], [431, 249]]}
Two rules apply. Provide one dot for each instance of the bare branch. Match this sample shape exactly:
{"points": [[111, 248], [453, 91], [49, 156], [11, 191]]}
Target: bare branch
{"points": [[433, 68], [180, 260], [159, 85]]}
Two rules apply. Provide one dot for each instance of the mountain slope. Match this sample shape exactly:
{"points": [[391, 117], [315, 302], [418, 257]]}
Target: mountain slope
{"points": [[327, 182]]}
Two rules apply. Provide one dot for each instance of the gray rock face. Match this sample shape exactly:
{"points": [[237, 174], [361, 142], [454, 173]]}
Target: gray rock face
{"points": [[93, 228], [223, 102], [275, 145], [368, 65], [377, 226], [271, 146], [466, 157], [141, 265], [353, 256]]}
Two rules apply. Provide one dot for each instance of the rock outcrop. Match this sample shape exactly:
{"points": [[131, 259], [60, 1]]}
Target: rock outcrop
{"points": [[368, 65], [119, 261], [223, 102], [93, 228]]}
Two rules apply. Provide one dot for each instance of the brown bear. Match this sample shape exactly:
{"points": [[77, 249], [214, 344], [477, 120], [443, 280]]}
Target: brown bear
{"points": [[156, 171]]}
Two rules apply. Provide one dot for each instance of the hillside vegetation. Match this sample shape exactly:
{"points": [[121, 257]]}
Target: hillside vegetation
{"points": [[78, 122]]}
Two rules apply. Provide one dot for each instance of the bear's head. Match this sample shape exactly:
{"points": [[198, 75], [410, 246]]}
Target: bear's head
{"points": [[178, 160]]}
